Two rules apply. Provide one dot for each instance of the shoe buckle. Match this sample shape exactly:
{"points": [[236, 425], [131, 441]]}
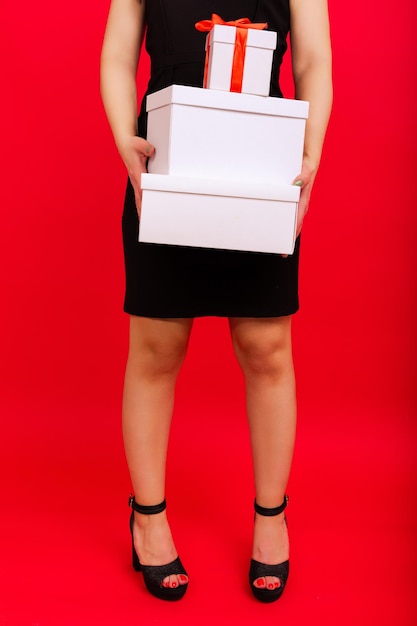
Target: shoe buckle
{"points": [[131, 500]]}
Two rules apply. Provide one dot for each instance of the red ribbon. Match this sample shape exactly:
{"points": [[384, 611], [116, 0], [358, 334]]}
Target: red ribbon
{"points": [[242, 26]]}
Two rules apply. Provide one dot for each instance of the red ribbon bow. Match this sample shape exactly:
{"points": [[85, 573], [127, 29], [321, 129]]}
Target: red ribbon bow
{"points": [[242, 26]]}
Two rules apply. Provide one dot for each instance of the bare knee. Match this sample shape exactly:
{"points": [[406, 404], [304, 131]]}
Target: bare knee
{"points": [[263, 347], [157, 347], [158, 358]]}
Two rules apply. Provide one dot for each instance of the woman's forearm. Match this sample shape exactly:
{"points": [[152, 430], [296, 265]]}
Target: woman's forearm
{"points": [[314, 84], [118, 91], [119, 62], [312, 70]]}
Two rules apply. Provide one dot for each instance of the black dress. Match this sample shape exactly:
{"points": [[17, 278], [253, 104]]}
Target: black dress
{"points": [[174, 281]]}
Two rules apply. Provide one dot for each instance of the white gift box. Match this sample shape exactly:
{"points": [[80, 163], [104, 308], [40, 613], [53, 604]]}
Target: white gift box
{"points": [[220, 46], [223, 135], [218, 214]]}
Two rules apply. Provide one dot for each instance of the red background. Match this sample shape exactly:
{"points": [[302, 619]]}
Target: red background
{"points": [[63, 339]]}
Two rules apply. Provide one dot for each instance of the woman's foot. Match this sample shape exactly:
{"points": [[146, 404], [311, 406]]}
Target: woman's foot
{"points": [[270, 546], [154, 545]]}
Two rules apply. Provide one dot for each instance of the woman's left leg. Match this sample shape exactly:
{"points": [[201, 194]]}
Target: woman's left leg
{"points": [[264, 352]]}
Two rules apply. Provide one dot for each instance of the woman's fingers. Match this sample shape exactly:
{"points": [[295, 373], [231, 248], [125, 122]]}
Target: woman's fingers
{"points": [[304, 177], [135, 178], [138, 199], [143, 146], [135, 152], [305, 181], [303, 206]]}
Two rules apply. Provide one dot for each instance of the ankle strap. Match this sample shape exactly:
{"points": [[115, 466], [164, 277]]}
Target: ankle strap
{"points": [[145, 509], [261, 510]]}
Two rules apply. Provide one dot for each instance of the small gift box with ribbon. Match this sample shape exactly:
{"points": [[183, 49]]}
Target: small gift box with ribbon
{"points": [[238, 55]]}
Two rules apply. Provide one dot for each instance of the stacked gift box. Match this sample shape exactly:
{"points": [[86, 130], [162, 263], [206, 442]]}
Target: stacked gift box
{"points": [[227, 154]]}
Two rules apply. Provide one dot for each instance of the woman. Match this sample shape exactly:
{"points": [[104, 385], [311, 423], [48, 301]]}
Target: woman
{"points": [[166, 286]]}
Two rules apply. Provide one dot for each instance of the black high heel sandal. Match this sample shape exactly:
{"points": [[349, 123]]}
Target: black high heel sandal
{"points": [[153, 575], [258, 570]]}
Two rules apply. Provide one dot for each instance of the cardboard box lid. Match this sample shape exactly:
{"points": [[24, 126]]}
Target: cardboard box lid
{"points": [[262, 39], [205, 186], [222, 33], [227, 100], [256, 38]]}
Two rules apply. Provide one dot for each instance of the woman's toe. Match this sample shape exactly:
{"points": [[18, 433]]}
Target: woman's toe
{"points": [[175, 580], [272, 582], [170, 582], [267, 582]]}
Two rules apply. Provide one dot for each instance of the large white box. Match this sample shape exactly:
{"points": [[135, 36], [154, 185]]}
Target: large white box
{"points": [[220, 47], [217, 214], [223, 135]]}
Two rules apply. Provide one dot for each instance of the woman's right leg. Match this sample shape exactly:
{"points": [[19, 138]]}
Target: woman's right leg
{"points": [[157, 348]]}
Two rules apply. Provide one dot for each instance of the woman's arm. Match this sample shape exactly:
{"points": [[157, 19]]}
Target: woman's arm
{"points": [[312, 71], [119, 62]]}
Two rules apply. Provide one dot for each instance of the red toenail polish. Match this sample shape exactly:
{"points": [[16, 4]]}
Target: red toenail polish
{"points": [[277, 585], [270, 586], [261, 583], [174, 584], [183, 578]]}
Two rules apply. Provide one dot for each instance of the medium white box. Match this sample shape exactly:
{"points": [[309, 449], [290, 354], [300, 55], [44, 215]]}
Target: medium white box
{"points": [[220, 47], [223, 135], [217, 214]]}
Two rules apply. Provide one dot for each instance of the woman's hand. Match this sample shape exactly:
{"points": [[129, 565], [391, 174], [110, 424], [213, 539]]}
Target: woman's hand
{"points": [[304, 180], [135, 152]]}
